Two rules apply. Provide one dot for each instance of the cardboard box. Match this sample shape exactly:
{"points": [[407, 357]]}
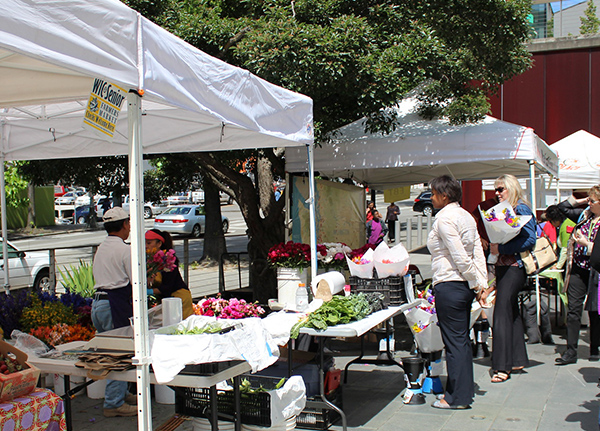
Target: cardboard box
{"points": [[19, 383]]}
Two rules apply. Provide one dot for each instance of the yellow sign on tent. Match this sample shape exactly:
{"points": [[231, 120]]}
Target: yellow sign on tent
{"points": [[397, 194]]}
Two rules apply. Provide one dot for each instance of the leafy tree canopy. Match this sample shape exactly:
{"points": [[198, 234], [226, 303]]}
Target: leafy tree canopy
{"points": [[356, 57]]}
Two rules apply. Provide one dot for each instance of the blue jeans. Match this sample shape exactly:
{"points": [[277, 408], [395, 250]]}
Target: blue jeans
{"points": [[116, 391]]}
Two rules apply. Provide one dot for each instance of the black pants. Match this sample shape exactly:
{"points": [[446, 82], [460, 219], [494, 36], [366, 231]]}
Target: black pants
{"points": [[576, 293], [391, 224], [509, 336], [453, 301]]}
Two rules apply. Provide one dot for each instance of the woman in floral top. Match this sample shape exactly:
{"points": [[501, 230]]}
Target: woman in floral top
{"points": [[578, 281]]}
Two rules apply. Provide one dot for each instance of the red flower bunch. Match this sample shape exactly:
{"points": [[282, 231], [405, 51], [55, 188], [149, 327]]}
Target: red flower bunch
{"points": [[159, 260], [358, 252], [290, 255], [62, 333], [224, 309]]}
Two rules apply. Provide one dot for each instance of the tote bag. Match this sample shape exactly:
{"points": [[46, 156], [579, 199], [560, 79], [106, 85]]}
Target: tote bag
{"points": [[541, 257]]}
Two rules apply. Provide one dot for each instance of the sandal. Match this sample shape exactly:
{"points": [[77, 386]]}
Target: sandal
{"points": [[500, 377]]}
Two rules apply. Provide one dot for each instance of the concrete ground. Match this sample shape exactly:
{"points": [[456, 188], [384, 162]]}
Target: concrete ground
{"points": [[542, 397]]}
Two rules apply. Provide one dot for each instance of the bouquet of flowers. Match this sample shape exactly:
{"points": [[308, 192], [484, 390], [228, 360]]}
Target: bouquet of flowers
{"points": [[423, 323], [227, 309], [290, 255], [501, 223], [62, 333], [159, 260], [331, 255], [360, 262]]}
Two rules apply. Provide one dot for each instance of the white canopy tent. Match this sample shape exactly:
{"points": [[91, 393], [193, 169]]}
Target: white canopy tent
{"points": [[579, 160], [50, 53], [419, 150]]}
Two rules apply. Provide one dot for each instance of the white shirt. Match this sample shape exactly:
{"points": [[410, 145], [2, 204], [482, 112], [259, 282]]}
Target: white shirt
{"points": [[112, 264], [455, 247]]}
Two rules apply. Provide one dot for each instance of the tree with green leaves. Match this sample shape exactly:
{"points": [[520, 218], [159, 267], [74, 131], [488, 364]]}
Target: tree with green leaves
{"points": [[590, 23]]}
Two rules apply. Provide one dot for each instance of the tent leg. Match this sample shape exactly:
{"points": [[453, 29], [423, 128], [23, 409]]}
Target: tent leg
{"points": [[312, 211], [4, 226], [138, 262], [534, 210]]}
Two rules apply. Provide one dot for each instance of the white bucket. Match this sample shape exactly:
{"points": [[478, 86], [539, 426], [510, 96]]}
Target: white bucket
{"points": [[288, 425], [59, 384], [334, 279], [95, 391], [288, 280], [203, 424], [164, 394]]}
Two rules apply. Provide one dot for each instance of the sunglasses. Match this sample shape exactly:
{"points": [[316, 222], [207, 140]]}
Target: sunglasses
{"points": [[591, 201], [499, 189]]}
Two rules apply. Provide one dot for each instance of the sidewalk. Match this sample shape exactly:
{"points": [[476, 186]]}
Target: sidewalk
{"points": [[542, 397]]}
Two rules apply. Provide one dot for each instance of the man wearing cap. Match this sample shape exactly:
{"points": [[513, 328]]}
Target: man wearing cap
{"points": [[112, 306]]}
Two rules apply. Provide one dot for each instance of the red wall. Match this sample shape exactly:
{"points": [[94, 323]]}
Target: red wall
{"points": [[558, 96]]}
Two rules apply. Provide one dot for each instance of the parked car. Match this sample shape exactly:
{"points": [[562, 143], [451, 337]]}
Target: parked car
{"points": [[59, 191], [181, 198], [185, 220], [150, 209], [198, 197], [82, 214], [423, 204], [27, 269], [68, 198]]}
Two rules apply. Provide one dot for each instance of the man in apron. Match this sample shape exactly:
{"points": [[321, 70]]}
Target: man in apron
{"points": [[113, 305]]}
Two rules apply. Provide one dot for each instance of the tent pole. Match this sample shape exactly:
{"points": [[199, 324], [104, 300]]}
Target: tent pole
{"points": [[534, 210], [138, 262], [312, 211], [4, 226]]}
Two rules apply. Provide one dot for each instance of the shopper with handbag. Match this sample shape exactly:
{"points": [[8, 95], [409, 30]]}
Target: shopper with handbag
{"points": [[508, 344], [459, 275], [577, 279]]}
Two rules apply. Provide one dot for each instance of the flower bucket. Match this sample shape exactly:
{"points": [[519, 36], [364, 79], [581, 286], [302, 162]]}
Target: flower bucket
{"points": [[95, 391], [164, 394], [59, 384], [288, 280]]}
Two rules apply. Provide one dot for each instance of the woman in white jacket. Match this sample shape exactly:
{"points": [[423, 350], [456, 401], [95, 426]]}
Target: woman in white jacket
{"points": [[459, 275]]}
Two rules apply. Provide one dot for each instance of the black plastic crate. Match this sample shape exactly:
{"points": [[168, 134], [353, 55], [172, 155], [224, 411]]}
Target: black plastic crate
{"points": [[208, 368], [315, 416], [255, 408], [392, 288]]}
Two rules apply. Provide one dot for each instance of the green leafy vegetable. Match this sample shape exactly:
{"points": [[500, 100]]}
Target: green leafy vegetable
{"points": [[341, 309]]}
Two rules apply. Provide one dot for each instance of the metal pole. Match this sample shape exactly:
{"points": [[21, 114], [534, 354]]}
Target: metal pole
{"points": [[138, 262], [409, 221], [3, 208], [312, 211], [534, 210]]}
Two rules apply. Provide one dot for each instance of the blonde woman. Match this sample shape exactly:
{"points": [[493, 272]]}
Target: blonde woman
{"points": [[509, 352]]}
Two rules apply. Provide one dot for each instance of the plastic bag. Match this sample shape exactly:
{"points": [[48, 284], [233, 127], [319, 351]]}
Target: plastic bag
{"points": [[29, 344]]}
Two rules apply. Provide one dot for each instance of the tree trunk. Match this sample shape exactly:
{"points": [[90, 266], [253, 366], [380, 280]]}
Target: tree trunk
{"points": [[262, 213], [214, 238], [31, 205]]}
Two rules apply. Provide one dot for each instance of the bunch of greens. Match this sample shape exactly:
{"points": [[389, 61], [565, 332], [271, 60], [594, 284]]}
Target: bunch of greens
{"points": [[246, 387], [341, 309], [210, 328]]}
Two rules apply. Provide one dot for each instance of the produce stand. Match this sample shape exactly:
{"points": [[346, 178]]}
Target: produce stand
{"points": [[354, 329], [68, 368]]}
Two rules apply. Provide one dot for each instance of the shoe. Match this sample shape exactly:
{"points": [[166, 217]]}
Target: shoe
{"points": [[131, 399], [594, 358], [124, 410], [566, 360], [441, 404]]}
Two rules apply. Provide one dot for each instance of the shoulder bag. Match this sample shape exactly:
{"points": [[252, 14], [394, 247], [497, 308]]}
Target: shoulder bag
{"points": [[541, 257]]}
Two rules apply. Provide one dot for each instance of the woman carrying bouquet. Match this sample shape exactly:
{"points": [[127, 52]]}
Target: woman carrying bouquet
{"points": [[459, 275], [168, 284], [509, 352]]}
